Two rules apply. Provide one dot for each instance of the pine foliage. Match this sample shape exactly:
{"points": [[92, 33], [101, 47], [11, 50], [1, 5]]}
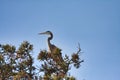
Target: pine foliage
{"points": [[16, 64]]}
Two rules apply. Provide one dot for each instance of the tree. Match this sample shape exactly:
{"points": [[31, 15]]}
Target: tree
{"points": [[55, 67], [6, 61], [18, 63]]}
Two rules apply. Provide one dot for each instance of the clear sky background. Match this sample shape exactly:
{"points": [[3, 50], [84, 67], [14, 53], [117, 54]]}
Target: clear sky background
{"points": [[95, 24]]}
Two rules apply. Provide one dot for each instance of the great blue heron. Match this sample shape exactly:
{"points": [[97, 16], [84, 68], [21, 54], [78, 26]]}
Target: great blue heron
{"points": [[51, 47], [55, 52]]}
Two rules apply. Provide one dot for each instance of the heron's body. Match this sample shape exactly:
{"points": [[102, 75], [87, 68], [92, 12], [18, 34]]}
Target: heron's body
{"points": [[52, 48], [54, 52]]}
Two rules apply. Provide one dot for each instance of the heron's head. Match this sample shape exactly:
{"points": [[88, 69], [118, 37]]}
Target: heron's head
{"points": [[47, 32]]}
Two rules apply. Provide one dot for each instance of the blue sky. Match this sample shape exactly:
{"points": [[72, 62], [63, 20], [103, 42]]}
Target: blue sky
{"points": [[95, 24]]}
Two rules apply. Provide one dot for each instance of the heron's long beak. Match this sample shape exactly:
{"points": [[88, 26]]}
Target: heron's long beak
{"points": [[42, 33]]}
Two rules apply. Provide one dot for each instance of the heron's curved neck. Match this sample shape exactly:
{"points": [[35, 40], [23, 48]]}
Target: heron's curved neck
{"points": [[50, 37], [49, 44]]}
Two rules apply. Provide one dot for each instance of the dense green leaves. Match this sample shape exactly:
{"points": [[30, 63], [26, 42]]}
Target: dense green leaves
{"points": [[18, 63], [13, 62], [55, 66]]}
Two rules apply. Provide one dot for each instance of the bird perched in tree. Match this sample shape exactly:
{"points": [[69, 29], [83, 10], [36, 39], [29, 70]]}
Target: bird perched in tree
{"points": [[54, 51], [51, 48]]}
